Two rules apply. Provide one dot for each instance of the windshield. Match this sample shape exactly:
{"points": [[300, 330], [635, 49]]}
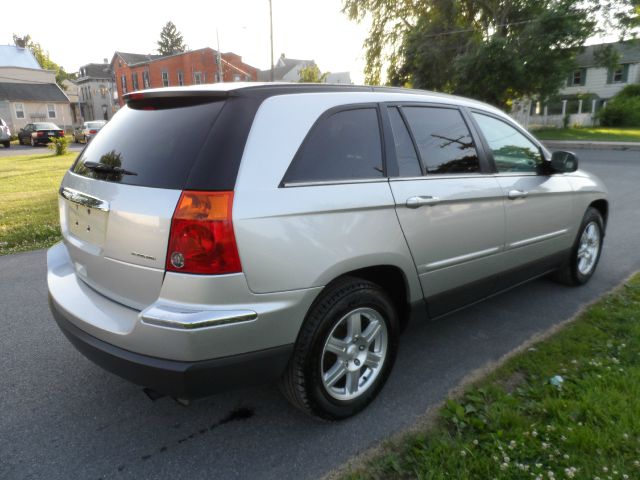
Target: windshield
{"points": [[94, 124]]}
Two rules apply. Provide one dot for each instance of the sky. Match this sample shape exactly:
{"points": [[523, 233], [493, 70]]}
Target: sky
{"points": [[88, 32]]}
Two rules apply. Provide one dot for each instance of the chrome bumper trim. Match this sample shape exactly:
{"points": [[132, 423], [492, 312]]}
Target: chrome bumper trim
{"points": [[183, 319]]}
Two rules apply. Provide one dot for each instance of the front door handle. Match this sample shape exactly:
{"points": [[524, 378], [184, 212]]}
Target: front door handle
{"points": [[515, 194], [416, 202]]}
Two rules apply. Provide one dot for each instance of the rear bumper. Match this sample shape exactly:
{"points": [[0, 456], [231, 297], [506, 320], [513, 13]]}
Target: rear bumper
{"points": [[176, 378]]}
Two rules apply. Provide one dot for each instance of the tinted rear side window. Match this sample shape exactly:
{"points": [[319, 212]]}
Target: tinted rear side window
{"points": [[443, 139], [159, 146], [342, 146], [408, 164]]}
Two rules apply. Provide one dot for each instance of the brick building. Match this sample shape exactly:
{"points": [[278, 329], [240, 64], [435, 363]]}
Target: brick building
{"points": [[135, 71]]}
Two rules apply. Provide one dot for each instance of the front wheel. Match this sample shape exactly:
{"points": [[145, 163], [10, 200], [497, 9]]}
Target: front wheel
{"points": [[345, 350], [585, 252]]}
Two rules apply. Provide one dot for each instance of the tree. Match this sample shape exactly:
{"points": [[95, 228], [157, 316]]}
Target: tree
{"points": [[42, 57], [492, 50], [311, 74], [171, 40]]}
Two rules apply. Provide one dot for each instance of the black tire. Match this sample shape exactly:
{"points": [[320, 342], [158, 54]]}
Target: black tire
{"points": [[302, 382], [569, 273], [20, 140], [7, 144]]}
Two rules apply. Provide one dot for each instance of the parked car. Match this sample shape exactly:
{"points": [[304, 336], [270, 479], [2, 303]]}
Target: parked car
{"points": [[87, 131], [39, 133], [221, 235], [5, 134]]}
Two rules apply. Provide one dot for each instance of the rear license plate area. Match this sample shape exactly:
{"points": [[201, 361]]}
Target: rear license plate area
{"points": [[86, 223]]}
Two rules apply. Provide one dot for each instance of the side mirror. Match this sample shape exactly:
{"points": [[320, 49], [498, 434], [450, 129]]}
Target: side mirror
{"points": [[564, 162]]}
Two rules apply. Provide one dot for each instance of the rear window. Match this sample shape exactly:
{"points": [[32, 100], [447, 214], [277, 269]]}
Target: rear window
{"points": [[46, 126], [158, 146], [95, 124]]}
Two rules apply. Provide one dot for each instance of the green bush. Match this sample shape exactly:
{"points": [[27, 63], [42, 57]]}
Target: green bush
{"points": [[623, 110], [59, 144]]}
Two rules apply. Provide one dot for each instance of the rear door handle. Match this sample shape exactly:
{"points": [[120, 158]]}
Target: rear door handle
{"points": [[515, 194], [416, 202]]}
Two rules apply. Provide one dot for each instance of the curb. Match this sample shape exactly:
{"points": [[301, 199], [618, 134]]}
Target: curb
{"points": [[591, 145]]}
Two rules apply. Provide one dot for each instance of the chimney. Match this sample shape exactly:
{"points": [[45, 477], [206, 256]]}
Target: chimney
{"points": [[105, 60]]}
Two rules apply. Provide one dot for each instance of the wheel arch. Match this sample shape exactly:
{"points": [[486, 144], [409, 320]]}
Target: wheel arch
{"points": [[393, 280], [602, 206]]}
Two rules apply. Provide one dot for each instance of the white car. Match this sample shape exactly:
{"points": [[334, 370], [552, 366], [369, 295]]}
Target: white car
{"points": [[5, 134]]}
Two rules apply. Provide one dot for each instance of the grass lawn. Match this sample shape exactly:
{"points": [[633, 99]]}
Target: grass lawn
{"points": [[595, 134], [517, 423], [28, 200]]}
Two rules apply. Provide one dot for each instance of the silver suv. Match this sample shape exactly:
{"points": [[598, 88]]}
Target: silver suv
{"points": [[221, 235]]}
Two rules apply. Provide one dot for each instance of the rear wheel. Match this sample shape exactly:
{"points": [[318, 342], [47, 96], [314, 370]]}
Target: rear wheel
{"points": [[586, 250], [7, 144], [345, 350]]}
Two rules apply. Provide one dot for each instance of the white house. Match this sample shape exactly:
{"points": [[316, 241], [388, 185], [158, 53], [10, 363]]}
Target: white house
{"points": [[288, 70], [28, 93], [587, 89]]}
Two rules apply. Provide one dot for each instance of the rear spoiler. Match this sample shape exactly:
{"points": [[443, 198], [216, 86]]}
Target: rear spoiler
{"points": [[172, 98]]}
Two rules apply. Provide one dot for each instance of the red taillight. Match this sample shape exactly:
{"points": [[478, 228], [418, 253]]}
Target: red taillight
{"points": [[93, 132], [40, 134], [201, 238]]}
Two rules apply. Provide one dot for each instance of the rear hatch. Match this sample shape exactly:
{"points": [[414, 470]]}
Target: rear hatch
{"points": [[117, 200]]}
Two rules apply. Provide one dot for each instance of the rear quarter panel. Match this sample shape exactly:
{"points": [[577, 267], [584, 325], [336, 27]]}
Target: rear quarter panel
{"points": [[301, 237]]}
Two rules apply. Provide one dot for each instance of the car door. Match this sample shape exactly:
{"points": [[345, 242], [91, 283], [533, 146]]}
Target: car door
{"points": [[25, 134], [449, 205], [538, 204]]}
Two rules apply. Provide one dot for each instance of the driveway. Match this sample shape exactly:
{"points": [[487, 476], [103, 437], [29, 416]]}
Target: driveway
{"points": [[62, 417], [29, 150]]}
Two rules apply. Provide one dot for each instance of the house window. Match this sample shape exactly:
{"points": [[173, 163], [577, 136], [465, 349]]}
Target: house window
{"points": [[51, 110], [237, 78], [19, 110], [619, 74], [181, 78], [103, 91], [134, 81], [165, 79], [145, 79], [123, 80], [577, 77], [197, 78]]}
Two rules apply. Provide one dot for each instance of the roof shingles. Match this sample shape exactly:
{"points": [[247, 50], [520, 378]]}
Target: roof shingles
{"points": [[29, 92]]}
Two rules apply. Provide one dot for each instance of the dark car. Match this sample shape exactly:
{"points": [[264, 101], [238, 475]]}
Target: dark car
{"points": [[39, 133]]}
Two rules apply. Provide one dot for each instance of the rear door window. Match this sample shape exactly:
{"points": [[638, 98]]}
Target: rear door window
{"points": [[344, 145], [406, 156], [156, 146], [443, 139]]}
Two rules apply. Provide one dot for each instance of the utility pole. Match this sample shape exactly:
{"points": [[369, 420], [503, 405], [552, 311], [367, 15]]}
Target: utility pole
{"points": [[271, 28], [220, 72]]}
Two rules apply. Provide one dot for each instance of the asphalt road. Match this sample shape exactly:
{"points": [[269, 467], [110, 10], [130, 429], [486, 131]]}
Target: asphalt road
{"points": [[62, 417], [29, 150]]}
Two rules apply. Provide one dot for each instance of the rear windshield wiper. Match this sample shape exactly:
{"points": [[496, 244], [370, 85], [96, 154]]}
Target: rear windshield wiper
{"points": [[103, 167]]}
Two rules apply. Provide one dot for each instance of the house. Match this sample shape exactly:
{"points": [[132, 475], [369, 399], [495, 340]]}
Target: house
{"points": [[285, 70], [71, 91], [587, 88], [96, 89], [288, 70], [135, 71], [28, 93]]}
